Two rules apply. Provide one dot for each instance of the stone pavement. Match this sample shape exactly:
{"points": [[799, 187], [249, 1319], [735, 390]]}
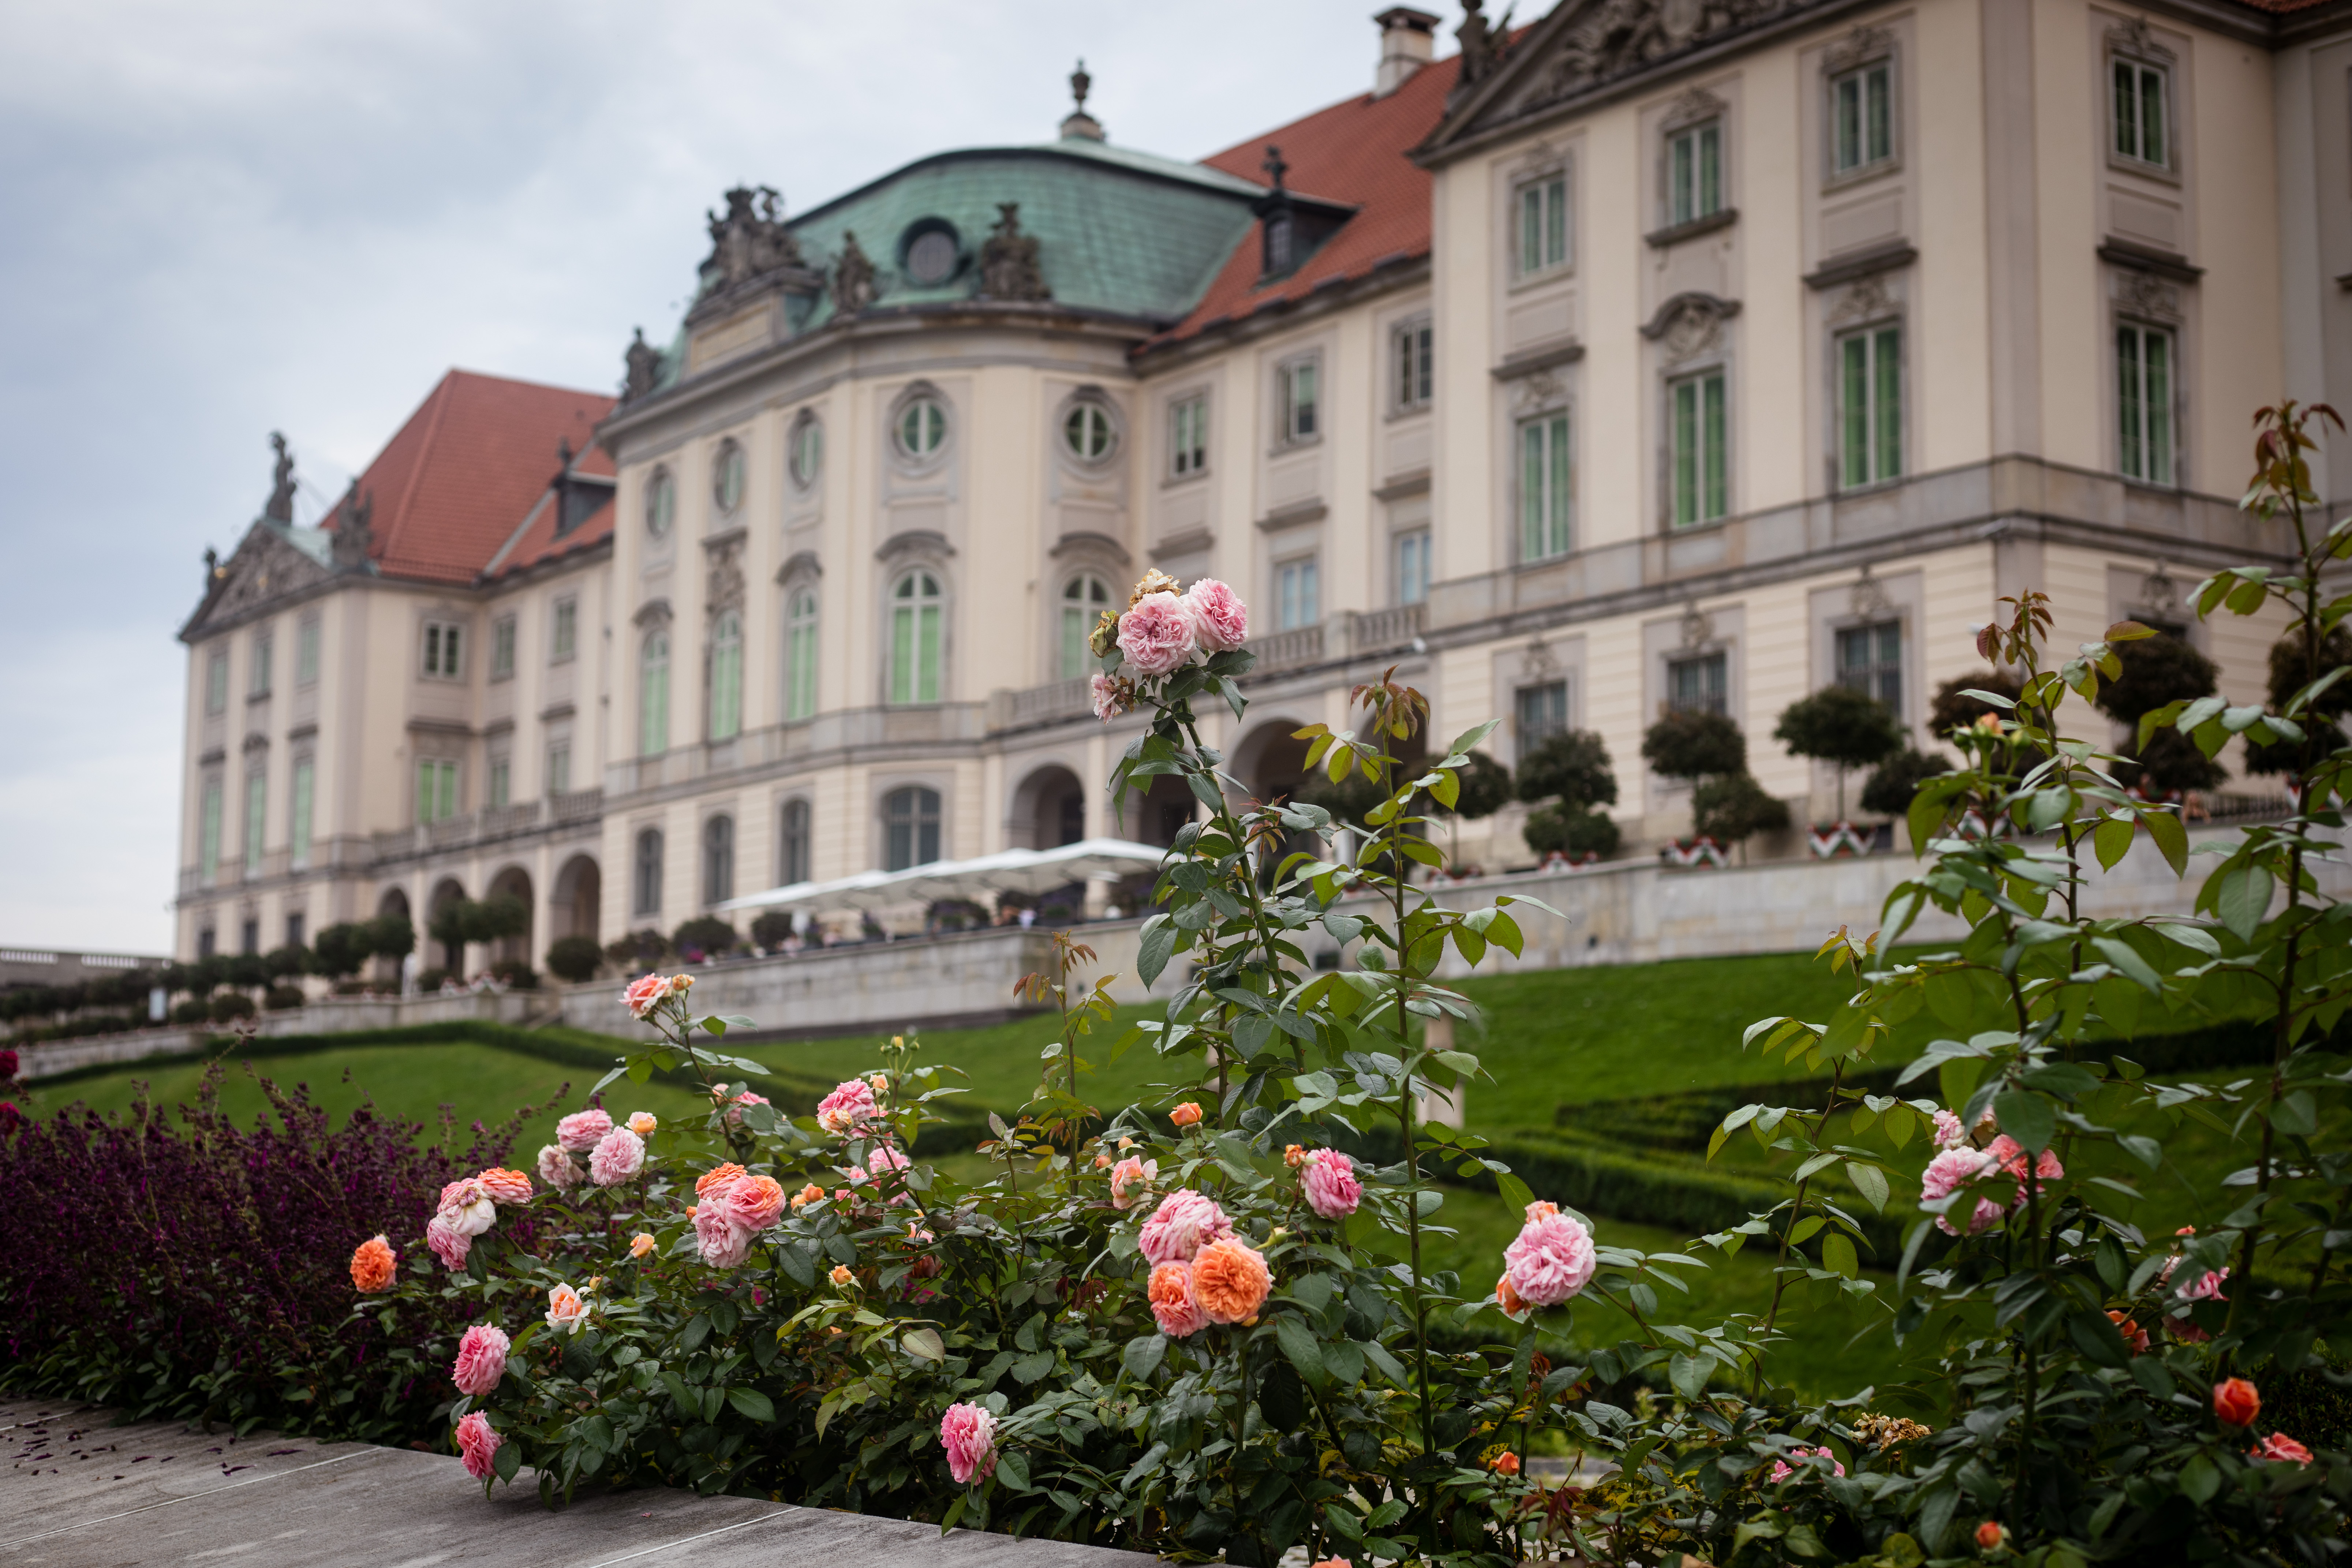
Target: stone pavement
{"points": [[82, 1493]]}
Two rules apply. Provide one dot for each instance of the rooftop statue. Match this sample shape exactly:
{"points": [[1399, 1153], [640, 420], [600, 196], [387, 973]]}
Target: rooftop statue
{"points": [[280, 506], [354, 538], [1483, 43], [1008, 261], [644, 363], [853, 278], [751, 240]]}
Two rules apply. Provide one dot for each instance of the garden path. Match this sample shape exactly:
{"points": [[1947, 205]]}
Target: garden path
{"points": [[84, 1493]]}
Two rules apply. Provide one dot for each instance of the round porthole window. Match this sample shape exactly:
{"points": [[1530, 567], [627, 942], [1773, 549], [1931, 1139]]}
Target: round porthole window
{"points": [[931, 252], [922, 427], [1088, 434], [661, 503]]}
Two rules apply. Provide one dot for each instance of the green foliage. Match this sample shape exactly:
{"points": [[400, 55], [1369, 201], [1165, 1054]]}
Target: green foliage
{"points": [[705, 935], [771, 927], [227, 1006], [635, 952], [1840, 726], [1954, 709], [2152, 671], [1571, 768], [1692, 743], [1733, 807], [281, 963], [391, 936], [1892, 784], [1551, 830], [341, 950], [1486, 786], [283, 998], [574, 958]]}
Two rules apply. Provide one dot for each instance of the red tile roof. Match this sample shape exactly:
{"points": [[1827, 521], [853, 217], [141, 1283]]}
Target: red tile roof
{"points": [[1353, 152], [457, 481]]}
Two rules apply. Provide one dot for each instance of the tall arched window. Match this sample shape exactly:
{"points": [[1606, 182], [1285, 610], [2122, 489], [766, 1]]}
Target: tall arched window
{"points": [[726, 677], [646, 891], [800, 654], [1083, 602], [653, 695], [793, 847], [661, 503], [718, 859], [910, 818], [917, 612]]}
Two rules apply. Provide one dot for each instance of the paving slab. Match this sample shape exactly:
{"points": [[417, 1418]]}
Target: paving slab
{"points": [[85, 1494]]}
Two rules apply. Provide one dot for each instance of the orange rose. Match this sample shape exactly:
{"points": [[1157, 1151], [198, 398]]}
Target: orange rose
{"points": [[1508, 1299], [1294, 1156], [372, 1265], [807, 1195], [2236, 1402], [1991, 1535], [506, 1186], [1186, 1114], [1230, 1280], [1505, 1463], [841, 1276], [2134, 1336], [725, 1175], [641, 1245]]}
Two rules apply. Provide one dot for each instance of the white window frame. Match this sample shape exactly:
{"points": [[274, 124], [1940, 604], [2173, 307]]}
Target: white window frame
{"points": [[2127, 141], [718, 858], [1543, 450], [1526, 735], [502, 648], [805, 459], [731, 477], [1188, 435], [1412, 385], [211, 808], [306, 635], [438, 789], [442, 655], [1412, 562], [1715, 701], [2135, 432], [1706, 507], [916, 818], [559, 766], [563, 630], [258, 670], [941, 428], [1865, 158], [1543, 237], [795, 840], [801, 624], [653, 692], [1685, 205], [1298, 592], [498, 787], [1885, 377], [1084, 421], [1299, 420], [919, 675], [301, 807], [725, 719], [661, 503], [1084, 597], [646, 880]]}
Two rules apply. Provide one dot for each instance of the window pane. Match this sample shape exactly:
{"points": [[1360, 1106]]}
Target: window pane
{"points": [[1555, 436], [257, 801], [927, 655], [2127, 104], [1306, 404], [653, 697], [1710, 171], [559, 769], [2158, 402], [1848, 123], [306, 653], [1717, 480], [1880, 83], [1685, 452], [1556, 221], [1541, 712], [1678, 180], [902, 654], [1531, 254], [2127, 402], [2151, 115], [1854, 379], [298, 835], [1887, 392], [1531, 489]]}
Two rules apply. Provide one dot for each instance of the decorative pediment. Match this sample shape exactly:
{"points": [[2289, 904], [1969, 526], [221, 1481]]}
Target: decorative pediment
{"points": [[652, 613], [1864, 44], [2137, 37], [803, 568], [267, 568], [1689, 324], [913, 544], [1586, 45]]}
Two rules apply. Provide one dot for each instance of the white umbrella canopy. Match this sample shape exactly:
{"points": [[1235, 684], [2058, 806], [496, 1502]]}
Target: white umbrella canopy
{"points": [[1007, 871]]}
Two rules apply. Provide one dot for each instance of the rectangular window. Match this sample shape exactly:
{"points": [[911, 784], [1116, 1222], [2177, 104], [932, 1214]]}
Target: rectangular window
{"points": [[565, 638], [208, 833], [216, 681], [295, 930], [250, 942], [915, 653], [256, 820], [1700, 423], [306, 652], [1300, 593], [558, 768], [1297, 389], [1539, 713], [256, 678], [1414, 378], [1412, 566], [2143, 132], [1862, 113], [502, 781], [502, 648], [298, 822], [1697, 684], [1869, 406], [1695, 173], [443, 649], [1545, 489], [1870, 660], [436, 789], [1543, 225], [2144, 376], [1188, 437], [800, 660]]}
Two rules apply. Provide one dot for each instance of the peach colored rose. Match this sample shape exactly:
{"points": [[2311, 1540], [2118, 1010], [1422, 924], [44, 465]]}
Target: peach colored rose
{"points": [[717, 1180], [641, 1245], [2236, 1402], [807, 1195], [481, 1359], [1130, 1179], [1220, 619], [1293, 1155], [880, 1081], [841, 1276], [479, 1445], [1173, 1305], [755, 1203], [1230, 1280], [1509, 1300], [643, 1122], [1186, 1114], [2134, 1336], [582, 1131], [566, 1312], [1505, 1463], [849, 1107], [645, 993], [372, 1265], [679, 985], [1991, 1535], [508, 1187]]}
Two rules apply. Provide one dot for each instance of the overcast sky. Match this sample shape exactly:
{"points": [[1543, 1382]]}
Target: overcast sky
{"points": [[221, 219]]}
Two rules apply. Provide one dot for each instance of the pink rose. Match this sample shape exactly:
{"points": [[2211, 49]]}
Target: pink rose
{"points": [[1109, 695], [2280, 1448], [479, 1445], [1782, 1471], [1947, 1173], [968, 1433], [847, 1108], [558, 1169], [724, 1243], [467, 1206], [582, 1131], [1551, 1261], [449, 1245], [1184, 1223], [1330, 1180], [481, 1359], [735, 1107], [1949, 1133], [1156, 635], [752, 1202], [2010, 1155], [1174, 1306], [644, 993], [566, 1312], [2206, 1286], [1220, 619], [1130, 1179], [619, 1156]]}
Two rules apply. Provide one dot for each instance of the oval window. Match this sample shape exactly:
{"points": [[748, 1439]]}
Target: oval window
{"points": [[727, 476], [1088, 434], [661, 503], [922, 427], [931, 257], [808, 450]]}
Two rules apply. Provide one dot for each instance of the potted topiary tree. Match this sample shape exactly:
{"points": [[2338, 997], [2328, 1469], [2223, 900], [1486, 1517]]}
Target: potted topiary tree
{"points": [[704, 938], [1482, 788], [2158, 671], [574, 958], [771, 929], [1888, 790], [2289, 664], [1847, 729], [1568, 777], [1701, 747]]}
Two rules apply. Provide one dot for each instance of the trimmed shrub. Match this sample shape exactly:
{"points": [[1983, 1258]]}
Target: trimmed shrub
{"points": [[431, 979], [636, 952], [391, 936], [1571, 768], [1839, 726], [195, 1010], [1691, 743], [1954, 709], [1483, 788], [283, 998], [226, 1006], [1892, 784], [574, 958], [1733, 807], [2158, 671], [771, 928], [515, 972], [705, 935], [1551, 830]]}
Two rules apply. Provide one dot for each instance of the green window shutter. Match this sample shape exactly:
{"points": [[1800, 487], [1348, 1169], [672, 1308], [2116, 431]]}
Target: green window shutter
{"points": [[1887, 377], [1531, 490]]}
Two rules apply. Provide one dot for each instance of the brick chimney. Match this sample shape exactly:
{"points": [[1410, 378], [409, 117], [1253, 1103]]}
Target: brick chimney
{"points": [[1407, 39]]}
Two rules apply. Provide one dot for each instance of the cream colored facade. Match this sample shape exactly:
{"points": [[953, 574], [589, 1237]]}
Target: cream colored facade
{"points": [[1992, 250]]}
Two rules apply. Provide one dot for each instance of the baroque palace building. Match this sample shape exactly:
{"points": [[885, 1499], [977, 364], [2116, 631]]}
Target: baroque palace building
{"points": [[1664, 352]]}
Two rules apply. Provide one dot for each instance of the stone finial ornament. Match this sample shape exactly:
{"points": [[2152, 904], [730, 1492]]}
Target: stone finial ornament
{"points": [[644, 363], [353, 537], [1008, 261], [751, 240]]}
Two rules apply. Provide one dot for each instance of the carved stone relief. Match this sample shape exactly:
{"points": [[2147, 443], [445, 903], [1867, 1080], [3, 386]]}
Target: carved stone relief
{"points": [[1696, 105], [1864, 300], [725, 588], [1868, 600], [1615, 37], [1865, 43], [750, 240], [2145, 294], [1698, 626], [1540, 390], [2137, 37], [1689, 324], [1538, 664]]}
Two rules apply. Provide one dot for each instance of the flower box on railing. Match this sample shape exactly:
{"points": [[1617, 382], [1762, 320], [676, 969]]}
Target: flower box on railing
{"points": [[1829, 840], [1562, 860], [1702, 850]]}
